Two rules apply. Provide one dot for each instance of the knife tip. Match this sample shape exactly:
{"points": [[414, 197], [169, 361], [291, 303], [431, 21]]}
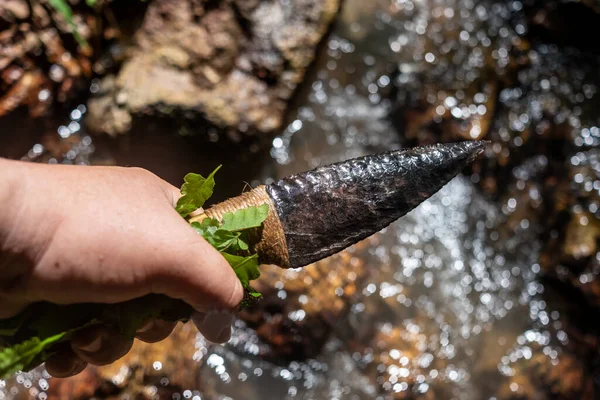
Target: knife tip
{"points": [[473, 148]]}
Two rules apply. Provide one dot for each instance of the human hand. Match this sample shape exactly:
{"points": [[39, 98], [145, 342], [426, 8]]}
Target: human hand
{"points": [[73, 234]]}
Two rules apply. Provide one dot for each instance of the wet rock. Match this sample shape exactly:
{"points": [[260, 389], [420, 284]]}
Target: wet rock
{"points": [[565, 23], [460, 63], [142, 373], [505, 83], [88, 384], [301, 307], [571, 253], [234, 64], [542, 374], [582, 236], [396, 353], [542, 171], [40, 61]]}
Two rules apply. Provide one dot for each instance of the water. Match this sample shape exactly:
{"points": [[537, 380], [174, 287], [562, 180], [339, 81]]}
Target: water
{"points": [[451, 302]]}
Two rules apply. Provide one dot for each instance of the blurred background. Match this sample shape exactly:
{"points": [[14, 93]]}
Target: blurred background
{"points": [[489, 290]]}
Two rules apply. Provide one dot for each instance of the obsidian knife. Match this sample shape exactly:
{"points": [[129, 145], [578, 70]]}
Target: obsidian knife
{"points": [[318, 213]]}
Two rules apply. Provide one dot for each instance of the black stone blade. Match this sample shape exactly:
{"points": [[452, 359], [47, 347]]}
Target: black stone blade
{"points": [[325, 210]]}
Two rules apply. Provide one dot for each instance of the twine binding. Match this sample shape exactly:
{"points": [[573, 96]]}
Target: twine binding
{"points": [[269, 240]]}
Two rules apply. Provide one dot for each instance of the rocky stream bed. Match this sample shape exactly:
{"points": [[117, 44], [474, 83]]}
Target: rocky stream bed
{"points": [[489, 290]]}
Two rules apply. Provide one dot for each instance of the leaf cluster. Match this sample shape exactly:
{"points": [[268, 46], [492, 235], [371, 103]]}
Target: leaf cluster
{"points": [[230, 235]]}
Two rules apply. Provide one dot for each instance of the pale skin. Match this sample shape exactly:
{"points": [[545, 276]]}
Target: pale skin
{"points": [[73, 234]]}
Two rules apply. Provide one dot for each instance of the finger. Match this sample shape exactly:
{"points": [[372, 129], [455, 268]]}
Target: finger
{"points": [[197, 274], [65, 364], [9, 308], [155, 331], [172, 193], [99, 345], [215, 326]]}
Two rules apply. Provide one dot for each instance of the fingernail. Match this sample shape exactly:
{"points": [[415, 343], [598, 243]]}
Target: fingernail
{"points": [[93, 345], [78, 366], [224, 335], [146, 326], [239, 293], [198, 317], [216, 326]]}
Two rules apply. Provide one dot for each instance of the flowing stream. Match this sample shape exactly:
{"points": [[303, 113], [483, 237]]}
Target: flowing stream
{"points": [[453, 302]]}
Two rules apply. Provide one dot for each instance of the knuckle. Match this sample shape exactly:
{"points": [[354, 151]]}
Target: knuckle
{"points": [[141, 173]]}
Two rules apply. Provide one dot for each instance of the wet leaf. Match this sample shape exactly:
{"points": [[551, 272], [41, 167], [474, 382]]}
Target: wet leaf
{"points": [[195, 191], [20, 356], [247, 218], [64, 9], [246, 268]]}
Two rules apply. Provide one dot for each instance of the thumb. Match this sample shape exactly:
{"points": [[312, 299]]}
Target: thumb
{"points": [[199, 275]]}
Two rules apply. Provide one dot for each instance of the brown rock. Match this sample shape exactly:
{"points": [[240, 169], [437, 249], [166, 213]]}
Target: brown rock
{"points": [[565, 378], [582, 236], [37, 65], [17, 9], [570, 253], [542, 164], [301, 307], [141, 373], [235, 64], [85, 386], [395, 365], [566, 23]]}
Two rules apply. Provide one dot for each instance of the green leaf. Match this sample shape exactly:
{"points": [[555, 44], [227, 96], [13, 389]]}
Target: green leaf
{"points": [[223, 240], [207, 227], [246, 268], [64, 9], [195, 191], [20, 356], [254, 293], [229, 238], [220, 239], [251, 217], [230, 242], [242, 243], [251, 297]]}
